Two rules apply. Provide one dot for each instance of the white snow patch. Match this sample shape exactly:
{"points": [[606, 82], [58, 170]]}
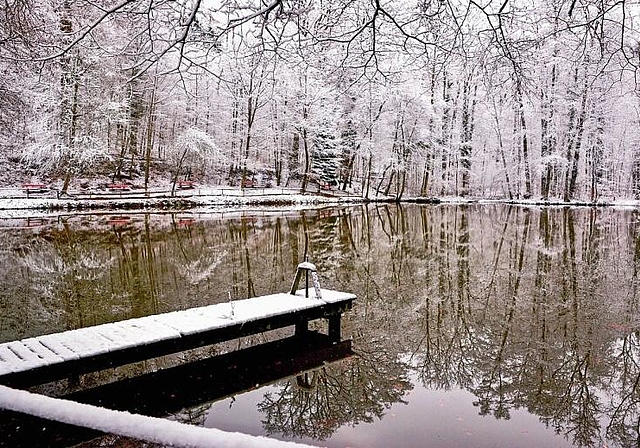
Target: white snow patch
{"points": [[156, 430]]}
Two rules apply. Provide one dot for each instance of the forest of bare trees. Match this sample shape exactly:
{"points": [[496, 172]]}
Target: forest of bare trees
{"points": [[503, 99]]}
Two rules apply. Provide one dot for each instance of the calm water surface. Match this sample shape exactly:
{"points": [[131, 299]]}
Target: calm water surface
{"points": [[475, 325]]}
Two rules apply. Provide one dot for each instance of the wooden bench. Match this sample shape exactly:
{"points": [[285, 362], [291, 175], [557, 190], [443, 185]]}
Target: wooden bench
{"points": [[186, 222], [186, 184], [119, 187], [119, 220], [30, 188]]}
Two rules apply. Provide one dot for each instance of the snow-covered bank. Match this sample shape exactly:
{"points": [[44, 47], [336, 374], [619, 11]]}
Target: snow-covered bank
{"points": [[140, 427], [203, 198], [137, 200]]}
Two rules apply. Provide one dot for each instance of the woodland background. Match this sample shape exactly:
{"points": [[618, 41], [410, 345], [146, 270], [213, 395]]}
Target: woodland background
{"points": [[505, 99]]}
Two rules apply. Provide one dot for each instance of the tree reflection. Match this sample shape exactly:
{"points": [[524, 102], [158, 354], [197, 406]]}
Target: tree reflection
{"points": [[354, 391], [532, 333], [532, 308]]}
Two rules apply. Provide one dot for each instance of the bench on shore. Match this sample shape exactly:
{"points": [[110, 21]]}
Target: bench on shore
{"points": [[119, 187], [186, 184], [119, 220], [31, 188], [49, 357]]}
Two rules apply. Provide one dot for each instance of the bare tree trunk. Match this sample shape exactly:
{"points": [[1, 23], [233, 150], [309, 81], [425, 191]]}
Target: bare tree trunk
{"points": [[294, 156], [525, 142], [596, 154], [368, 182], [69, 84], [305, 142], [635, 173], [548, 140], [501, 151], [150, 131], [467, 135], [446, 118], [307, 160], [384, 172], [575, 143]]}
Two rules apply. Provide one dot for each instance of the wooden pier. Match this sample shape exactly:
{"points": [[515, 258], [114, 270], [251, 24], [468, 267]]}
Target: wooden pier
{"points": [[55, 356], [161, 393]]}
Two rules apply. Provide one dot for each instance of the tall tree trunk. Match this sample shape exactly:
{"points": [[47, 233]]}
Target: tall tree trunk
{"points": [[251, 114], [501, 150], [467, 135], [525, 142], [429, 146], [294, 156], [635, 173], [150, 132], [307, 160], [596, 155], [444, 140], [575, 144], [69, 85], [547, 137], [368, 181]]}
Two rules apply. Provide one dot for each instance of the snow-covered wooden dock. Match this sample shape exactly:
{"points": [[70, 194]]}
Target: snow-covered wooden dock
{"points": [[54, 356], [167, 392]]}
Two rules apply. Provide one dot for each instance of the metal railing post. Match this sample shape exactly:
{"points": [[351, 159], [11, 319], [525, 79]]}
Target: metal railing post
{"points": [[307, 268]]}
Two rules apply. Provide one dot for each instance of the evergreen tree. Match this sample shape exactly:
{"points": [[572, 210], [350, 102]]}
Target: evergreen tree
{"points": [[325, 154]]}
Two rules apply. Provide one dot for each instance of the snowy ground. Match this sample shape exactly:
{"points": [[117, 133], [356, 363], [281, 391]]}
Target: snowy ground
{"points": [[15, 203], [14, 199]]}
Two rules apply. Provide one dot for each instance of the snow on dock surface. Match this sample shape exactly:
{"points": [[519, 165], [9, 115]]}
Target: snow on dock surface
{"points": [[27, 354], [152, 429]]}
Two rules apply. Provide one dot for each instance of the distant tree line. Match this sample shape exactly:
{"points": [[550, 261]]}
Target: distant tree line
{"points": [[503, 99]]}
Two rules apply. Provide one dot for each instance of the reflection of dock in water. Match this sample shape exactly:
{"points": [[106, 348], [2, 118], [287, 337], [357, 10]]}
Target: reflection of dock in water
{"points": [[168, 391]]}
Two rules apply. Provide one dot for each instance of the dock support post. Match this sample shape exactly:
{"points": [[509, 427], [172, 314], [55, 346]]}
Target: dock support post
{"points": [[334, 327], [302, 328]]}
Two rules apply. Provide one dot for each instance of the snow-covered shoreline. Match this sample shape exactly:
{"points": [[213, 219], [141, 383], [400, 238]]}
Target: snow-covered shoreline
{"points": [[13, 205]]}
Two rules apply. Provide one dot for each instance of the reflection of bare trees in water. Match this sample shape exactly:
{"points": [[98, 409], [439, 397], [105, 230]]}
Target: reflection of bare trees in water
{"points": [[624, 425], [194, 415], [317, 403], [543, 325], [531, 308]]}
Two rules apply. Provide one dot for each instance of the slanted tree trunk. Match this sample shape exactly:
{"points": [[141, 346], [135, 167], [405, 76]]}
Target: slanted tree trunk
{"points": [[368, 177]]}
